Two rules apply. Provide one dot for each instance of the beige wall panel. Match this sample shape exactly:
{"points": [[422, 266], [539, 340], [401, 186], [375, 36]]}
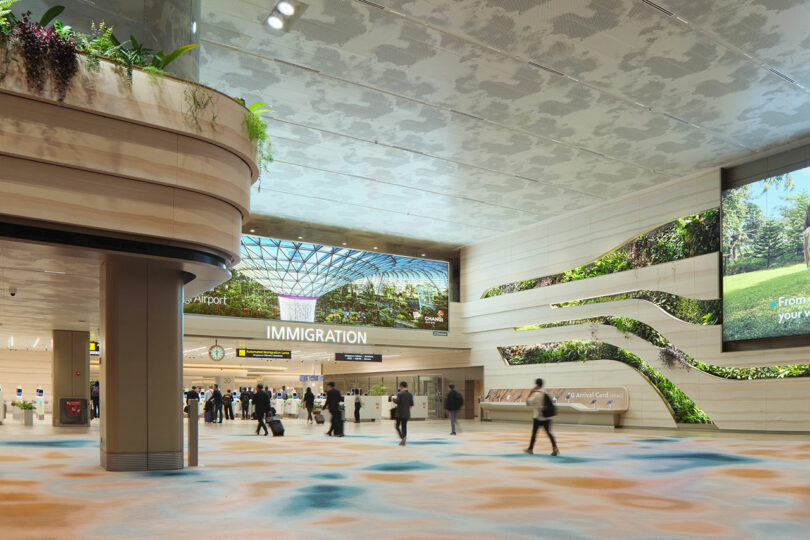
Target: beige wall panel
{"points": [[202, 219], [214, 171], [79, 198], [156, 102], [29, 369], [558, 245]]}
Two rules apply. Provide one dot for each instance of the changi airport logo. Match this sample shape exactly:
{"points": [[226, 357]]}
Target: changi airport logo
{"points": [[208, 300], [287, 333], [439, 318]]}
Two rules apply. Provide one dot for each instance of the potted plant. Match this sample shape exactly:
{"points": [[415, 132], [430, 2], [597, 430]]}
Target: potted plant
{"points": [[28, 412]]}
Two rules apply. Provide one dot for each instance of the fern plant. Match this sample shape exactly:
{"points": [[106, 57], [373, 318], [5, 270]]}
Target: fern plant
{"points": [[257, 132]]}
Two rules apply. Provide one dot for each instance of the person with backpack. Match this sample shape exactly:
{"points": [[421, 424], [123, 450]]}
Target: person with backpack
{"points": [[309, 404], [261, 406], [452, 404], [544, 409], [94, 396]]}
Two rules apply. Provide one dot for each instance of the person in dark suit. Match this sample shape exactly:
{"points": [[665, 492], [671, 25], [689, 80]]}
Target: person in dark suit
{"points": [[404, 401], [333, 399], [261, 406], [217, 398], [452, 404], [244, 399], [227, 405], [357, 406], [192, 394], [309, 403]]}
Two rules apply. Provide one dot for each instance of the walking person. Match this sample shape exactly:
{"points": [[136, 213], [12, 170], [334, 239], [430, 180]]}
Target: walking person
{"points": [[227, 404], [309, 403], [261, 406], [208, 405], [333, 399], [404, 401], [358, 404], [217, 397], [544, 409], [452, 404], [94, 396], [244, 400]]}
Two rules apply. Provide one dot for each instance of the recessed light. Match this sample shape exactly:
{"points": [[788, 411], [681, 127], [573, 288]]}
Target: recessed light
{"points": [[344, 243], [274, 20], [286, 8], [300, 237], [375, 247], [423, 254], [252, 230]]}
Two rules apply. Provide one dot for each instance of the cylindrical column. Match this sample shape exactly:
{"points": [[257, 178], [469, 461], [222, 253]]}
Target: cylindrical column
{"points": [[70, 376], [142, 372]]}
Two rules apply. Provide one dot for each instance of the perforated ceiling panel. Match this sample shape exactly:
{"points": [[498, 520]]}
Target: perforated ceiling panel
{"points": [[459, 121]]}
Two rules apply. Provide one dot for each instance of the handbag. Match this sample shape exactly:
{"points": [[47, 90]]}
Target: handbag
{"points": [[185, 409]]}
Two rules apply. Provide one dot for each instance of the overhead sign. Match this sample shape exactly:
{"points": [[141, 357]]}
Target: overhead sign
{"points": [[95, 348], [320, 335], [357, 357], [262, 353], [307, 378]]}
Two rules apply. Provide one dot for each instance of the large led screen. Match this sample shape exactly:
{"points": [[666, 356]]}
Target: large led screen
{"points": [[766, 263], [298, 281]]}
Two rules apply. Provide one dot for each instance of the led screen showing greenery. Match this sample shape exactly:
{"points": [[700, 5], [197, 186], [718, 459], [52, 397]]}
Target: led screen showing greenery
{"points": [[299, 281], [766, 267]]}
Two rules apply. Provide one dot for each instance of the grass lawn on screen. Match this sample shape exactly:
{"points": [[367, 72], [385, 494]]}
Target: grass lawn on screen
{"points": [[747, 310]]}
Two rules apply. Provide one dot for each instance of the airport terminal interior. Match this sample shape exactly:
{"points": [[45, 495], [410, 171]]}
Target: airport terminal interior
{"points": [[405, 269]]}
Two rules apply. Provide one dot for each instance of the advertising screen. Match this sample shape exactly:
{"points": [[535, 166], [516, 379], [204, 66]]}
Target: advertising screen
{"points": [[298, 281], [766, 263]]}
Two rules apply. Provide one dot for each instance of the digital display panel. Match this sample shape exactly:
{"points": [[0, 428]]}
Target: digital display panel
{"points": [[298, 281], [357, 357], [766, 262]]}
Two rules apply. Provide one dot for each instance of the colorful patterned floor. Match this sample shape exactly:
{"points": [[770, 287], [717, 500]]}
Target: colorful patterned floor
{"points": [[479, 485]]}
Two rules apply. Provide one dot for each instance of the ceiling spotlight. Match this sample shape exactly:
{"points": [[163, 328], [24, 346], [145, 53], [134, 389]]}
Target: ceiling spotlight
{"points": [[344, 243], [423, 254], [252, 230], [275, 21], [375, 247], [286, 8], [300, 237]]}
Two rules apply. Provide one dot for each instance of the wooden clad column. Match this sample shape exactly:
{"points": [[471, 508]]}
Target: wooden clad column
{"points": [[71, 372], [142, 372]]}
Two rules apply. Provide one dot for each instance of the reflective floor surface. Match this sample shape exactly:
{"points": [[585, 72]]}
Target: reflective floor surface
{"points": [[477, 485]]}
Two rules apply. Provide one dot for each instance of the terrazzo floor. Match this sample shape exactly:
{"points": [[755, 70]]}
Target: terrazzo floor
{"points": [[479, 485]]}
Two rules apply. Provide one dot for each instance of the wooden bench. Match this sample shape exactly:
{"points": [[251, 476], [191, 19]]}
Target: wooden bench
{"points": [[586, 406]]}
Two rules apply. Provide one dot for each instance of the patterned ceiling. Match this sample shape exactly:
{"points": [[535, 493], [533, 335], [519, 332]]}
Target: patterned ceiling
{"points": [[456, 121]]}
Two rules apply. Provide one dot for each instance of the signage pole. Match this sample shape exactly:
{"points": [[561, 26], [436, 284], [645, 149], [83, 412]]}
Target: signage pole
{"points": [[193, 427]]}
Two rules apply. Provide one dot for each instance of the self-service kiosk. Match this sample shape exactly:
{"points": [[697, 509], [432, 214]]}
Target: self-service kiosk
{"points": [[39, 403]]}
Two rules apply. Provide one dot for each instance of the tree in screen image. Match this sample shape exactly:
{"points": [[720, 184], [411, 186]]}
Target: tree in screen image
{"points": [[769, 242]]}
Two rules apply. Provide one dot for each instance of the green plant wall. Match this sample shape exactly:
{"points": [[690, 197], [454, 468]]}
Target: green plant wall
{"points": [[684, 410], [686, 237]]}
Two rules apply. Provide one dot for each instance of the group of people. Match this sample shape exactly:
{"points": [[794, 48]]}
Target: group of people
{"points": [[216, 402]]}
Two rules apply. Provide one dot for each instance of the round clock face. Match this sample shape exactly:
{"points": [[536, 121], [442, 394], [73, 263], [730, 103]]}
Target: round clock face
{"points": [[216, 353]]}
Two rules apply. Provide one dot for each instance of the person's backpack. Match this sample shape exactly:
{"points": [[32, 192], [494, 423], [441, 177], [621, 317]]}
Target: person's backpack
{"points": [[549, 409]]}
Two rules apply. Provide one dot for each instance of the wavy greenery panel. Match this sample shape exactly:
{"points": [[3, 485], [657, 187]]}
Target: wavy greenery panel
{"points": [[684, 410], [704, 312], [672, 356], [686, 237]]}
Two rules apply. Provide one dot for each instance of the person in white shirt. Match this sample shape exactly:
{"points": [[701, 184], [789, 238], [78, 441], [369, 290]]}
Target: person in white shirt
{"points": [[540, 400]]}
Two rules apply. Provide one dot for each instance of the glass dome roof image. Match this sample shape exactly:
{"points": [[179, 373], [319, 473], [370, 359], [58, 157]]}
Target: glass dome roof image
{"points": [[300, 273]]}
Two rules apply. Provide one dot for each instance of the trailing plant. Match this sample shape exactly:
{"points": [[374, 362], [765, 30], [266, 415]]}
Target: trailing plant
{"points": [[703, 312], [200, 105], [682, 238], [684, 410], [257, 132], [673, 357]]}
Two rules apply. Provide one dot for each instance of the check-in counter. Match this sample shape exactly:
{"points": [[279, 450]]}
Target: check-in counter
{"points": [[370, 410]]}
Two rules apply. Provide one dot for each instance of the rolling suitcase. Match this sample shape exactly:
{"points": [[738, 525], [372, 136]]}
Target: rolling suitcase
{"points": [[319, 419], [209, 416], [276, 427]]}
